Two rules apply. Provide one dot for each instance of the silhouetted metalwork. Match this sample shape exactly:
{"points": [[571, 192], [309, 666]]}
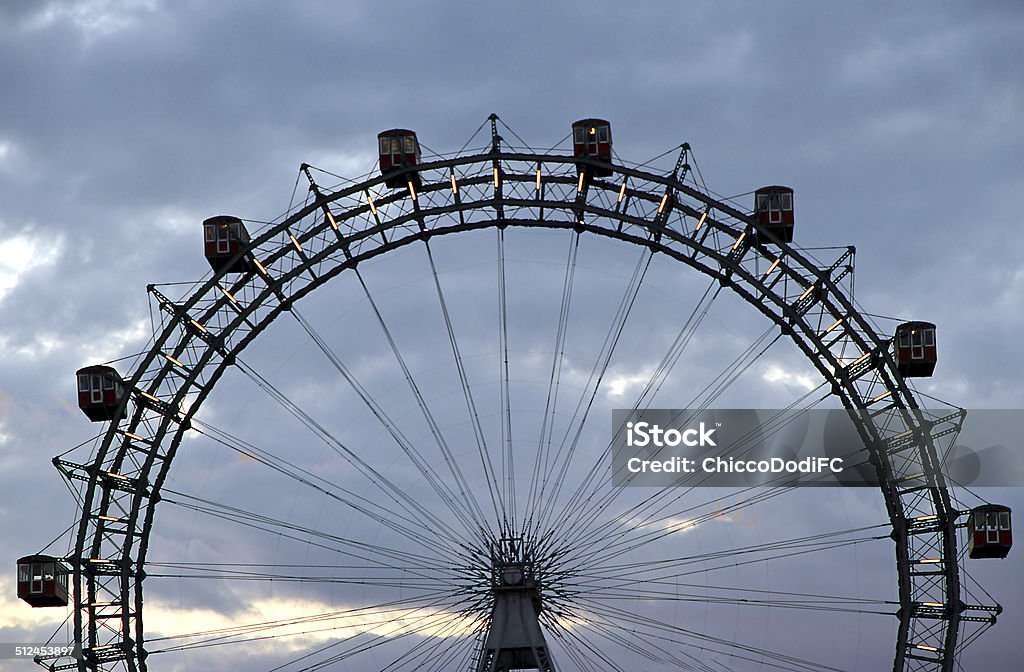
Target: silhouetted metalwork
{"points": [[202, 334]]}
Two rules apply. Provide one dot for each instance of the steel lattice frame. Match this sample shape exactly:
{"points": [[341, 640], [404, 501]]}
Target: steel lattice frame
{"points": [[202, 334]]}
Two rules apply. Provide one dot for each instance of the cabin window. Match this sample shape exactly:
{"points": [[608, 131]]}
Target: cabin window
{"points": [[917, 343], [83, 382], [602, 134], [211, 233], [396, 145], [904, 339], [580, 135], [979, 520], [36, 585], [409, 148], [992, 531], [222, 240], [1004, 520], [774, 212], [762, 202], [929, 338], [592, 141], [787, 201], [385, 145], [22, 573]]}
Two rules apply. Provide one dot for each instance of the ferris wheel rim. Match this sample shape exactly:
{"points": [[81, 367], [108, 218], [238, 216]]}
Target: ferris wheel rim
{"points": [[788, 254]]}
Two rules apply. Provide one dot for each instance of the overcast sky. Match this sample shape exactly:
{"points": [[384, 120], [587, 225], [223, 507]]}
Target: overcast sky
{"points": [[123, 124]]}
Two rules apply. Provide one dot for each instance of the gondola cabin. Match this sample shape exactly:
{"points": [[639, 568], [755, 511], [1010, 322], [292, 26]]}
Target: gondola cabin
{"points": [[43, 581], [100, 391], [592, 138], [915, 349], [224, 237], [399, 148], [988, 532], [773, 210]]}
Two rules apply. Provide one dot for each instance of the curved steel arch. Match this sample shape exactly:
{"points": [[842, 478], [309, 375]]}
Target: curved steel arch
{"points": [[205, 332]]}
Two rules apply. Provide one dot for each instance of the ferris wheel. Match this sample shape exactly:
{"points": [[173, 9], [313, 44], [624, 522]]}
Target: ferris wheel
{"points": [[420, 480]]}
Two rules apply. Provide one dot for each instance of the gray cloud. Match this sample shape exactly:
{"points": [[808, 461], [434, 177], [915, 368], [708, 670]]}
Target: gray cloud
{"points": [[123, 125]]}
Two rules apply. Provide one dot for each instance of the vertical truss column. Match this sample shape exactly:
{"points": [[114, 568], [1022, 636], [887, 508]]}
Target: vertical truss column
{"points": [[514, 640], [499, 204]]}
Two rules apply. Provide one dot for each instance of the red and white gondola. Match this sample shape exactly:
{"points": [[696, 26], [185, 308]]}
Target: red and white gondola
{"points": [[773, 210], [399, 149], [100, 391], [592, 139]]}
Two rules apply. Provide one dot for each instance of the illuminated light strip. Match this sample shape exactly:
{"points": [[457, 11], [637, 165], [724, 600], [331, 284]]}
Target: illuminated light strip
{"points": [[100, 561], [260, 266], [622, 191], [538, 179], [926, 647], [929, 561], [901, 435], [579, 184], [412, 190], [149, 396], [937, 605], [883, 395], [664, 200], [369, 201], [929, 517], [835, 324], [104, 604], [121, 477], [739, 240], [200, 327], [806, 292], [701, 223], [860, 359], [135, 436], [109, 518], [295, 242], [497, 179], [775, 264], [913, 477], [230, 295], [455, 185], [330, 218], [172, 360]]}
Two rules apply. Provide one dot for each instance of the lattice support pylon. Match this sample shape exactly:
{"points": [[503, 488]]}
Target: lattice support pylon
{"points": [[514, 640]]}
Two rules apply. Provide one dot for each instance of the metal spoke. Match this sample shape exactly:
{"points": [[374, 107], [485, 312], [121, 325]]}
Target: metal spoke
{"points": [[452, 558]]}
